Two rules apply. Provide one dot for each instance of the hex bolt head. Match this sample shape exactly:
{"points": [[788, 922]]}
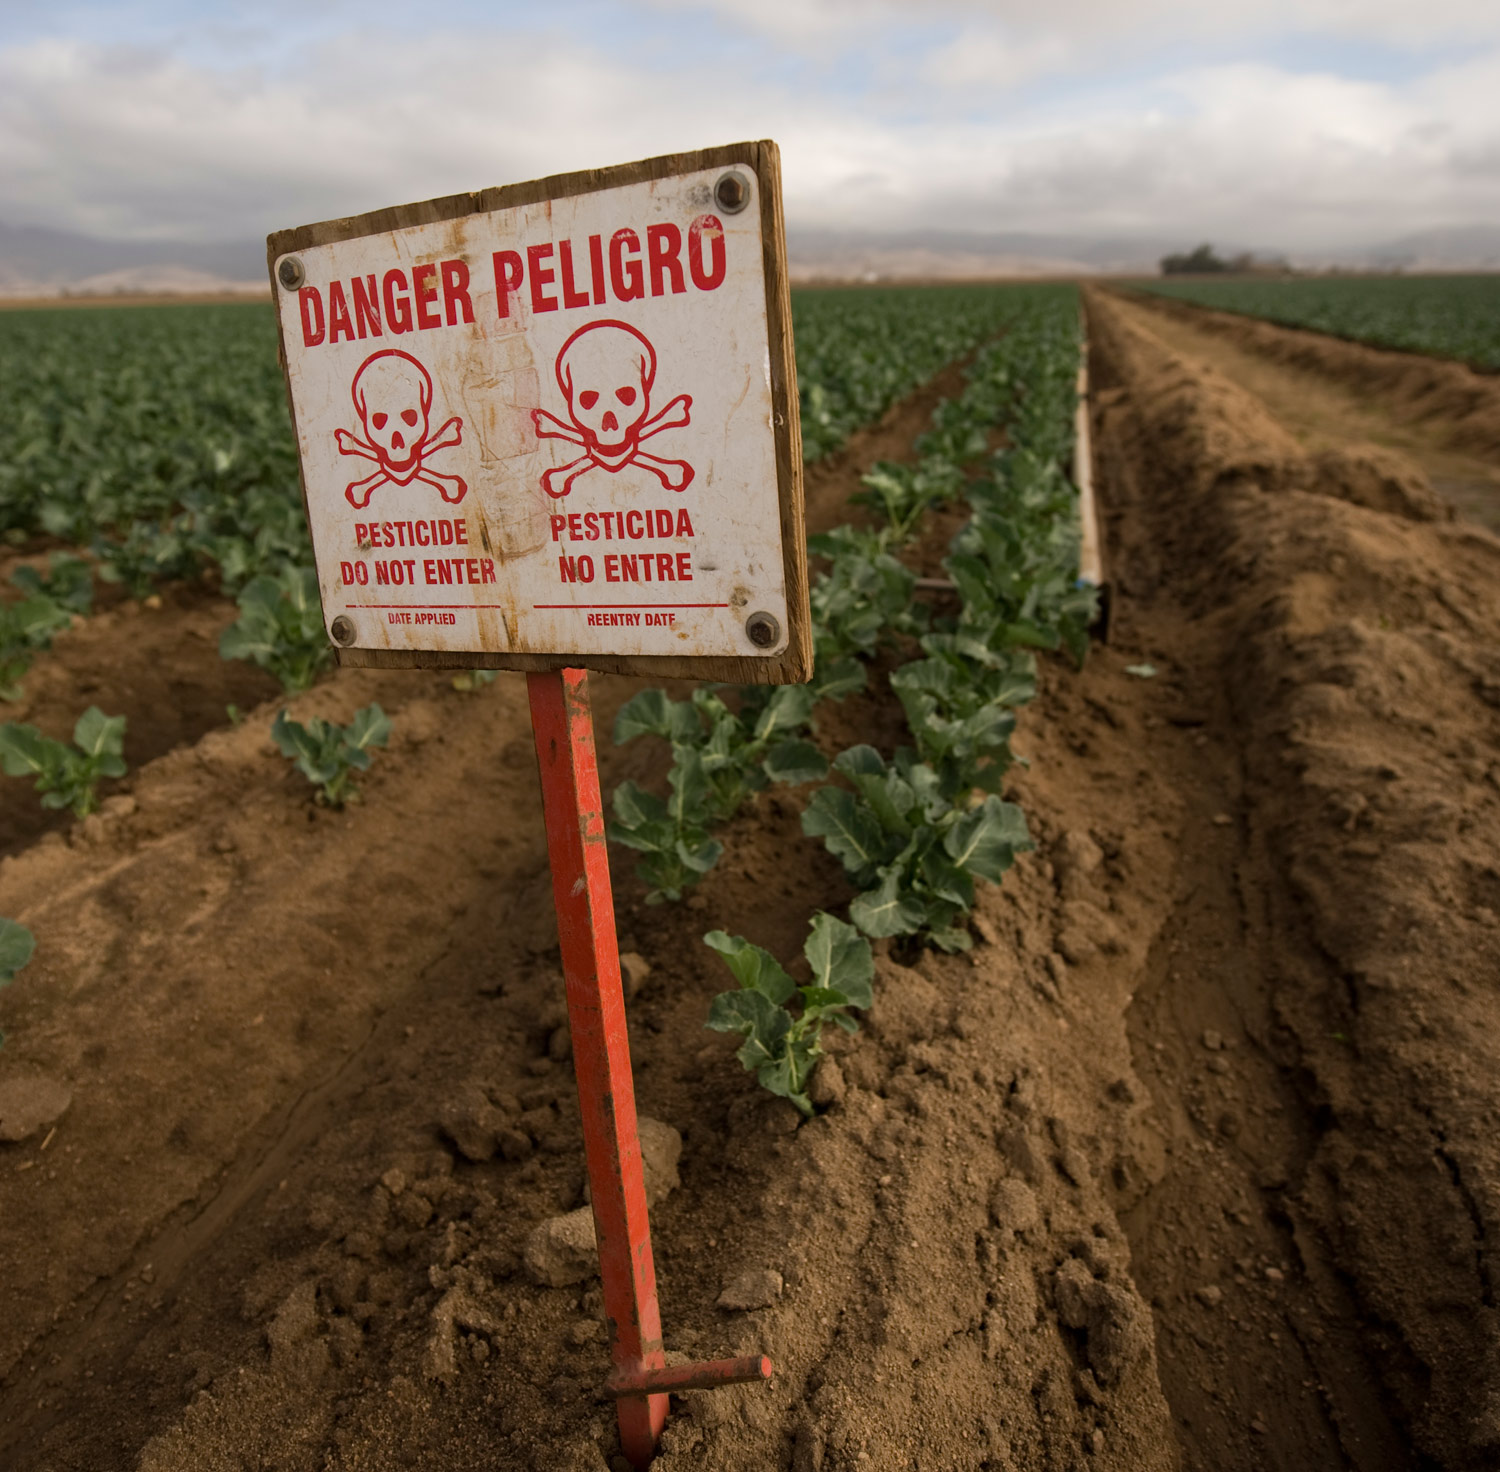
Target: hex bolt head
{"points": [[290, 273], [762, 630], [732, 192], [343, 630]]}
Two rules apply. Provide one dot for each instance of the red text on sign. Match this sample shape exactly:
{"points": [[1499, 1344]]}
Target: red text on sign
{"points": [[624, 270], [436, 294]]}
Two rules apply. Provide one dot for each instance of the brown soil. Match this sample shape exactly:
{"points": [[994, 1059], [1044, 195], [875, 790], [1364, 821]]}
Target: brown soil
{"points": [[155, 663], [1183, 1166], [1330, 394]]}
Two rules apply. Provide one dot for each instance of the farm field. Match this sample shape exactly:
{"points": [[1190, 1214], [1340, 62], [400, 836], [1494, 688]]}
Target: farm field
{"points": [[1169, 1148], [1446, 316]]}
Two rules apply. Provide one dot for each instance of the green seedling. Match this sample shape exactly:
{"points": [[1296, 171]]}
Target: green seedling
{"points": [[720, 757], [904, 493], [67, 776], [16, 947], [68, 582], [25, 628], [961, 710], [328, 754], [280, 628], [912, 853], [865, 598], [149, 552], [780, 1047]]}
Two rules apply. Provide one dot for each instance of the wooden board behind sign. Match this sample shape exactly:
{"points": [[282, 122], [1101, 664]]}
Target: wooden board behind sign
{"points": [[709, 644]]}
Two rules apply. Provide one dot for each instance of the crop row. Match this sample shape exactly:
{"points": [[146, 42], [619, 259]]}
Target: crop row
{"points": [[159, 436], [915, 828], [158, 439], [1444, 316]]}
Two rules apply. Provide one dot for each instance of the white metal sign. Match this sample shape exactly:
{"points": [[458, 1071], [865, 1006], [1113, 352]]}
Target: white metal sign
{"points": [[555, 430]]}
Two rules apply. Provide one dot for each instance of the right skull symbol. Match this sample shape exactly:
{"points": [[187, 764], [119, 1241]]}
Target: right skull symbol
{"points": [[605, 371]]}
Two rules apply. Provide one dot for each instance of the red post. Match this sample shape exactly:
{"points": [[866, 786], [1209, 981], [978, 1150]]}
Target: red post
{"points": [[564, 729]]}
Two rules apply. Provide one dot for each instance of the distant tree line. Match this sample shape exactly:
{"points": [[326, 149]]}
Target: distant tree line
{"points": [[1201, 262]]}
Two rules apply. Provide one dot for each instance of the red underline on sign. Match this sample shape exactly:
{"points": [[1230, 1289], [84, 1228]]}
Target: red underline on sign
{"points": [[429, 605], [630, 605]]}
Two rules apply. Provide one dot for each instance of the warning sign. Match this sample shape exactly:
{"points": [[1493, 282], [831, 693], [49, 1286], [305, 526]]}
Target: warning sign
{"points": [[555, 424]]}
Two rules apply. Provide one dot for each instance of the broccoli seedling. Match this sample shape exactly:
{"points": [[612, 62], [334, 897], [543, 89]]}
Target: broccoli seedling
{"points": [[68, 581], [280, 628], [67, 776], [25, 628], [328, 754], [16, 945], [779, 1048]]}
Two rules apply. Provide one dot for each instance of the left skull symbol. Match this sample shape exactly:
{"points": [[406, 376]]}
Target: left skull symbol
{"points": [[392, 392]]}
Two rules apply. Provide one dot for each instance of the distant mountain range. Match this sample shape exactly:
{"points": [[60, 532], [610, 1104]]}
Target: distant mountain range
{"points": [[37, 262], [833, 254], [40, 262]]}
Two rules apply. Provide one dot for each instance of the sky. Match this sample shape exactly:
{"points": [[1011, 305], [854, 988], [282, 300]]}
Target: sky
{"points": [[1297, 125]]}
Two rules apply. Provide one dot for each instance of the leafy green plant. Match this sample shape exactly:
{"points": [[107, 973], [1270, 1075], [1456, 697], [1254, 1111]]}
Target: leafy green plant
{"points": [[1016, 562], [280, 628], [67, 776], [328, 754], [68, 582], [780, 1047], [16, 947], [960, 709], [25, 628], [719, 758], [145, 553], [904, 493], [865, 596], [912, 853]]}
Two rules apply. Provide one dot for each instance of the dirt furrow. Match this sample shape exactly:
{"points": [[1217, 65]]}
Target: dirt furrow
{"points": [[1334, 394], [1351, 663]]}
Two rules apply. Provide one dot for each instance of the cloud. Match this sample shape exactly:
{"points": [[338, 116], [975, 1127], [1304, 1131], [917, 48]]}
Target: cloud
{"points": [[1083, 25], [135, 141]]}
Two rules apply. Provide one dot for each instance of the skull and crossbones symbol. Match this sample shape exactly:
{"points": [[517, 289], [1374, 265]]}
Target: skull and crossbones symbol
{"points": [[605, 371], [393, 394]]}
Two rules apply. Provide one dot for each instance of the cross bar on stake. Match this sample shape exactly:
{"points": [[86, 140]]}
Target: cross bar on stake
{"points": [[563, 726]]}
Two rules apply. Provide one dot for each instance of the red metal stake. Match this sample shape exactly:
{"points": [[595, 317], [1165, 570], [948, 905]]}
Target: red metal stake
{"points": [[564, 729]]}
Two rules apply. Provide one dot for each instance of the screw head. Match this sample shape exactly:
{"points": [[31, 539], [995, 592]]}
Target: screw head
{"points": [[762, 630], [732, 192], [343, 630], [290, 273]]}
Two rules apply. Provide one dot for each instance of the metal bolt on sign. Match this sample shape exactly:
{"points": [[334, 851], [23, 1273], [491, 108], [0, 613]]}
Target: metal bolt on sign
{"points": [[762, 630], [291, 273], [563, 726], [732, 192], [343, 630]]}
